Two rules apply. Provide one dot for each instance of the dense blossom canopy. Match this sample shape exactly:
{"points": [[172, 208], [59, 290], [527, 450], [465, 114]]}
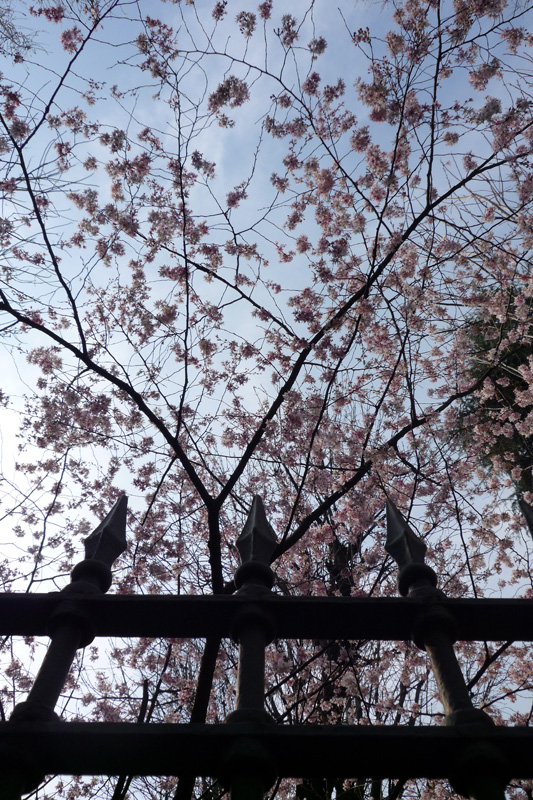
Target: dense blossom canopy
{"points": [[244, 249]]}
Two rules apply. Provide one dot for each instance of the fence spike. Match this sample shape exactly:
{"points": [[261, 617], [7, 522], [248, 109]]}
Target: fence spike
{"points": [[108, 541], [257, 541], [402, 543]]}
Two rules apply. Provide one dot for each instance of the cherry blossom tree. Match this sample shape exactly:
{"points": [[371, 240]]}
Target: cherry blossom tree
{"points": [[504, 405], [242, 249]]}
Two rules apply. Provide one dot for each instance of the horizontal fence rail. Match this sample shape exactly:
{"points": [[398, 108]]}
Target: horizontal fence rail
{"points": [[106, 748], [379, 618]]}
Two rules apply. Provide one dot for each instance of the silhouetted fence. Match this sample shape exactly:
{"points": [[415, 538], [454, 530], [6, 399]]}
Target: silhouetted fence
{"points": [[249, 751]]}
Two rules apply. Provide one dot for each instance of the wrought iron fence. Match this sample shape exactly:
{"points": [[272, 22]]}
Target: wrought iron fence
{"points": [[249, 751]]}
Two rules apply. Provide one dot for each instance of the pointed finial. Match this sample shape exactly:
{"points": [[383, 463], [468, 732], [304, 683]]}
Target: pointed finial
{"points": [[402, 544], [102, 548], [257, 541], [256, 545], [408, 550], [108, 541]]}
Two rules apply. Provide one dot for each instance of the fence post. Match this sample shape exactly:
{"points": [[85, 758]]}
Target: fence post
{"points": [[482, 772], [247, 767], [69, 629]]}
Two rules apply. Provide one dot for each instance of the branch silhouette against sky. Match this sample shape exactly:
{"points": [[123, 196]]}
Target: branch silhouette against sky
{"points": [[244, 248]]}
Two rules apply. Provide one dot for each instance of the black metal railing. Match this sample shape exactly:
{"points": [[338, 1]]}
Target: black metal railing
{"points": [[249, 751]]}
